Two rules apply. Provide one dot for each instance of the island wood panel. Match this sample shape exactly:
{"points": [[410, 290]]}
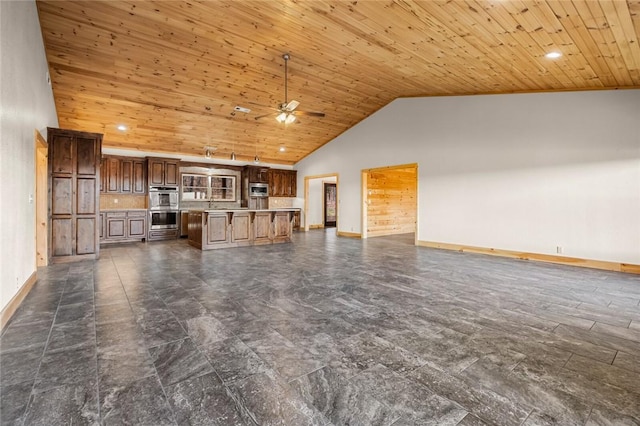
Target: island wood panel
{"points": [[282, 226], [241, 227], [217, 228], [348, 59], [262, 229], [391, 200]]}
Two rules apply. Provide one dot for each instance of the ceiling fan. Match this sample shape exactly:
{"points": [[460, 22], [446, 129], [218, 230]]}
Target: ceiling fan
{"points": [[286, 112]]}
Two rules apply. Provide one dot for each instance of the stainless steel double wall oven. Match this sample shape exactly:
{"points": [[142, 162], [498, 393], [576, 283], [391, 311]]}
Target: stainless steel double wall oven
{"points": [[164, 210]]}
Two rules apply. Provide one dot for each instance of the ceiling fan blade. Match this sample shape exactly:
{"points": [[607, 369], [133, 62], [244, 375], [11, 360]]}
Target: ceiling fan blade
{"points": [[310, 113], [266, 115], [293, 104]]}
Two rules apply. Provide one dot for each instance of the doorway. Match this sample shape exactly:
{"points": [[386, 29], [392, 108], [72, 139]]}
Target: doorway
{"points": [[314, 205], [330, 206], [42, 257], [390, 200]]}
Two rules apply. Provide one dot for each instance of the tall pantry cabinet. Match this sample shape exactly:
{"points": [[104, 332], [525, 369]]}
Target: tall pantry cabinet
{"points": [[74, 186]]}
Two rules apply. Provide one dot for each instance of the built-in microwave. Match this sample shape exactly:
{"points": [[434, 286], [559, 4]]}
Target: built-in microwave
{"points": [[258, 189], [163, 198]]}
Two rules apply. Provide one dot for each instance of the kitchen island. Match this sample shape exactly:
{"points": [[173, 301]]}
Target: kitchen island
{"points": [[216, 229]]}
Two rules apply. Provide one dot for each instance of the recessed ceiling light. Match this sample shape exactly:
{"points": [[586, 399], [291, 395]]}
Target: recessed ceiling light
{"points": [[282, 149], [553, 55], [122, 127]]}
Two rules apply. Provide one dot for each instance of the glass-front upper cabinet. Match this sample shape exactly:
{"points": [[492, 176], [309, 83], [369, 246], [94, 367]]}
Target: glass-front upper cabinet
{"points": [[223, 188], [204, 188]]}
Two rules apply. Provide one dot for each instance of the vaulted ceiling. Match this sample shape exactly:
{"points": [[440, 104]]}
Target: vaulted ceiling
{"points": [[173, 71]]}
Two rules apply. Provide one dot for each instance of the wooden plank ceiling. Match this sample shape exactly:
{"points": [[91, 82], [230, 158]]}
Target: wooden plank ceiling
{"points": [[173, 71]]}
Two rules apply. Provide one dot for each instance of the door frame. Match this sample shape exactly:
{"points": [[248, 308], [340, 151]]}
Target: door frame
{"points": [[365, 195], [324, 204], [41, 199], [306, 197]]}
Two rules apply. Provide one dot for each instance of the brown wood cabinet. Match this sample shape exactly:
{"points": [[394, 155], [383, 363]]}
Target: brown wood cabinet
{"points": [[257, 174], [163, 171], [123, 225], [218, 229], [123, 175], [283, 183], [74, 182]]}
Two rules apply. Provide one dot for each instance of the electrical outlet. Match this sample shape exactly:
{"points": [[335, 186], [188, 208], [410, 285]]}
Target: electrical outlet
{"points": [[559, 249]]}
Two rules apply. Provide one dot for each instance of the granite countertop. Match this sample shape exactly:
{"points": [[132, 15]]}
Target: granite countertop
{"points": [[123, 210], [245, 209]]}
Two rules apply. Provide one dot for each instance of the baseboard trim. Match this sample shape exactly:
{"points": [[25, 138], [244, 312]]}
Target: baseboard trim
{"points": [[15, 302], [348, 234], [537, 257]]}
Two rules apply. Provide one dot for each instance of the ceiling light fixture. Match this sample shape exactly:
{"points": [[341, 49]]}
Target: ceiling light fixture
{"points": [[553, 55], [285, 117], [122, 127], [282, 149], [256, 159]]}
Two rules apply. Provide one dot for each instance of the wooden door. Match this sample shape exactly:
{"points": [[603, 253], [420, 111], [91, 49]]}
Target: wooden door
{"points": [[330, 206], [139, 173], [241, 227], [262, 227], [126, 184], [136, 225], [113, 174], [74, 181], [156, 172], [217, 228], [116, 227], [282, 226], [171, 173]]}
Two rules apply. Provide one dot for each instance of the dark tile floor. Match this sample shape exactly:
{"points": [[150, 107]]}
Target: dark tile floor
{"points": [[322, 331]]}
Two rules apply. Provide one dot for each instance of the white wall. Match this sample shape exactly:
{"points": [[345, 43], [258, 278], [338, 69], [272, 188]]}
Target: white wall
{"points": [[26, 105], [316, 199], [525, 172]]}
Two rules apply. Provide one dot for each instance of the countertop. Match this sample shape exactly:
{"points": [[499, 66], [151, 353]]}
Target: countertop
{"points": [[123, 210], [280, 209]]}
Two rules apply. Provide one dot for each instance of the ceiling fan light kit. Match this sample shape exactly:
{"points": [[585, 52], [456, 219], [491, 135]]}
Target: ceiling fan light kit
{"points": [[286, 111]]}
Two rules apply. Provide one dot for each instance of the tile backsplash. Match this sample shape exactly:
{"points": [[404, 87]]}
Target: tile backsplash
{"points": [[280, 202], [120, 201]]}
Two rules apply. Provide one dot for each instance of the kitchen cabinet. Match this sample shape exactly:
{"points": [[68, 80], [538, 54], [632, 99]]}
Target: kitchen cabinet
{"points": [[123, 175], [257, 174], [296, 220], [219, 229], [74, 184], [163, 171], [124, 225], [283, 183]]}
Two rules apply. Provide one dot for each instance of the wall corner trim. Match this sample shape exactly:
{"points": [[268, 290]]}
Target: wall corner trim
{"points": [[15, 302], [348, 234], [537, 257]]}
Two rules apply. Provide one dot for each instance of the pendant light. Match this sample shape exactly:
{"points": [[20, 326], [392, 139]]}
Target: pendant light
{"points": [[256, 159], [233, 152]]}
